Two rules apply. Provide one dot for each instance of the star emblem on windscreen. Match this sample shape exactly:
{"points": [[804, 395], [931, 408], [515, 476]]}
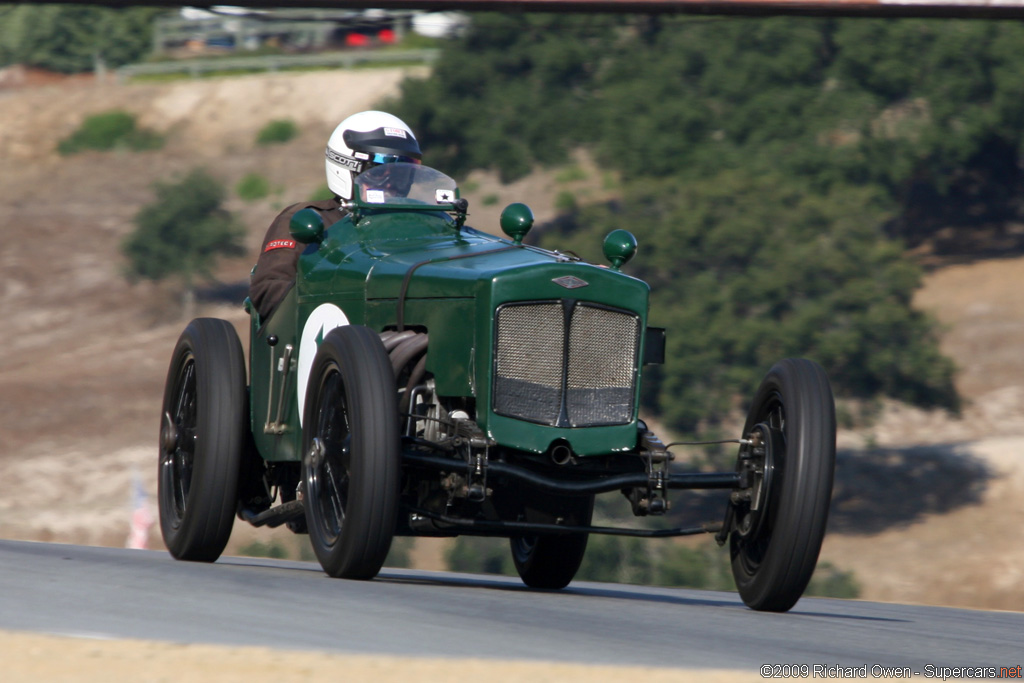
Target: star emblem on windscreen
{"points": [[445, 196]]}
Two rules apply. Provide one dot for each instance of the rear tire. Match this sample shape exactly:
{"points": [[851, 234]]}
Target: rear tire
{"points": [[203, 433], [552, 561], [775, 548], [351, 464]]}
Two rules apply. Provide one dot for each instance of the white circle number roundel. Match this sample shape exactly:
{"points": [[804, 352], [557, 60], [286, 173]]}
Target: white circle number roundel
{"points": [[320, 322]]}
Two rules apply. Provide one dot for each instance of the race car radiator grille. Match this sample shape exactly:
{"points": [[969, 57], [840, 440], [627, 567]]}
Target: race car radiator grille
{"points": [[601, 367], [565, 363], [529, 348]]}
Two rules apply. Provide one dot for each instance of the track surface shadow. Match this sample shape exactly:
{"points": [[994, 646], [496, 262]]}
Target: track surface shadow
{"points": [[668, 596]]}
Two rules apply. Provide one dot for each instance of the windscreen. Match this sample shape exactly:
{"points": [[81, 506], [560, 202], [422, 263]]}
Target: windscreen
{"points": [[405, 184]]}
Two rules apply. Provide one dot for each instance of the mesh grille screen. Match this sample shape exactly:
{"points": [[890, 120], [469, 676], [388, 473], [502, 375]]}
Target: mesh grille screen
{"points": [[528, 381], [599, 378], [602, 355]]}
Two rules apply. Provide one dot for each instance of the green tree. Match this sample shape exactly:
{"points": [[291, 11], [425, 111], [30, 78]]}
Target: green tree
{"points": [[74, 38], [515, 91], [182, 234], [929, 112], [763, 161], [748, 270]]}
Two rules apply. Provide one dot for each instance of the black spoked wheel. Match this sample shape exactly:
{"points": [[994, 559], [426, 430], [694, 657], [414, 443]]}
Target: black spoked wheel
{"points": [[351, 468], [779, 522], [202, 436], [552, 561]]}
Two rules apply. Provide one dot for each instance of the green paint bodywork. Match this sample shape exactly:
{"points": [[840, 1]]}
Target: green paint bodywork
{"points": [[460, 277]]}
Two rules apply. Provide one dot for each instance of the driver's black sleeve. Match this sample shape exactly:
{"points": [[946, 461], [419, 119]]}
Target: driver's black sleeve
{"points": [[275, 268]]}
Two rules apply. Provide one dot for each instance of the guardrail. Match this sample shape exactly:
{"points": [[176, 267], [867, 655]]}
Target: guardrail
{"points": [[343, 60]]}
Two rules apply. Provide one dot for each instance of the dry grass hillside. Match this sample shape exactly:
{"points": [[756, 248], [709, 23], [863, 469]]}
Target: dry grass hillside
{"points": [[926, 514]]}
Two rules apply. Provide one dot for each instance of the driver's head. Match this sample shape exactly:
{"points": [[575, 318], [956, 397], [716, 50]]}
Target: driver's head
{"points": [[365, 140], [394, 179]]}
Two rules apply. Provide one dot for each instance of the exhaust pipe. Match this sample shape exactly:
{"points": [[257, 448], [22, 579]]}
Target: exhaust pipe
{"points": [[561, 453]]}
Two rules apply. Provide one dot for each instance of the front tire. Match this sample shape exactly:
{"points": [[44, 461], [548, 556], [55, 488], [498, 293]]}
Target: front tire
{"points": [[202, 436], [552, 561], [775, 547], [351, 466]]}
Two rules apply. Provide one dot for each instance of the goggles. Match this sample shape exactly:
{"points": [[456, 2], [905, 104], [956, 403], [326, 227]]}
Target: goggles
{"points": [[392, 159]]}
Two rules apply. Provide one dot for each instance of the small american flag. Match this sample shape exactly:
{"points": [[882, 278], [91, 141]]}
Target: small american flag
{"points": [[142, 517]]}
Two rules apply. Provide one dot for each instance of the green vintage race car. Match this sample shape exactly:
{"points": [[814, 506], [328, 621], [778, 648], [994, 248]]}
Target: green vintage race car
{"points": [[424, 378]]}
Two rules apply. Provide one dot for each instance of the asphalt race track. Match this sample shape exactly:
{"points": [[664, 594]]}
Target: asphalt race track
{"points": [[114, 593]]}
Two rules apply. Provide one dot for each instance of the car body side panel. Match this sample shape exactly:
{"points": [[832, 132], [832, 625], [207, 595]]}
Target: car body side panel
{"points": [[266, 375], [458, 280]]}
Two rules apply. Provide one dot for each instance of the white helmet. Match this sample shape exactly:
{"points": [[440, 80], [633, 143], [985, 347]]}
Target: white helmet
{"points": [[364, 140]]}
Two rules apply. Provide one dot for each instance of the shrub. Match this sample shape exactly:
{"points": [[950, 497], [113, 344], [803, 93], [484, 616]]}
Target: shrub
{"points": [[398, 556], [831, 582], [110, 130], [570, 174], [253, 186], [480, 555], [621, 559], [565, 202], [271, 549], [277, 132]]}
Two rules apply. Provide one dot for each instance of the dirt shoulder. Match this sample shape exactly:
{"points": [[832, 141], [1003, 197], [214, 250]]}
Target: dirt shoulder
{"points": [[29, 658], [959, 481]]}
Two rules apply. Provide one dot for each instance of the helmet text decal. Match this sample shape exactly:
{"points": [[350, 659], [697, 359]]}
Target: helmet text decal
{"points": [[347, 162]]}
